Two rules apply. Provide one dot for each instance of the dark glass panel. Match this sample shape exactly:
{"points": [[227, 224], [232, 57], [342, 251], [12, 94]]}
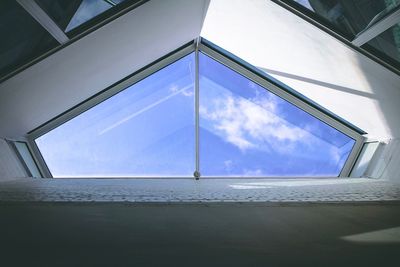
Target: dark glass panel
{"points": [[23, 39], [348, 17], [386, 45], [76, 16], [60, 11]]}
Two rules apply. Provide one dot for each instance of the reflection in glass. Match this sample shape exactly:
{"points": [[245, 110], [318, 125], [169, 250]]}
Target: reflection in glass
{"points": [[247, 131], [145, 130], [87, 10], [350, 17], [60, 11], [74, 13], [387, 44]]}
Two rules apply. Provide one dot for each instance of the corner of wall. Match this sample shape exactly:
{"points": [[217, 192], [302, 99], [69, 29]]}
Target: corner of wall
{"points": [[10, 166], [386, 162]]}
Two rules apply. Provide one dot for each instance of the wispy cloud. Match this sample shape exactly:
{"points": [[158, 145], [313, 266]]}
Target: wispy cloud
{"points": [[173, 92], [252, 123]]}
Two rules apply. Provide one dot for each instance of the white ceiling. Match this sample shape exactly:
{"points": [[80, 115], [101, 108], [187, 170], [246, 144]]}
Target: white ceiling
{"points": [[96, 61]]}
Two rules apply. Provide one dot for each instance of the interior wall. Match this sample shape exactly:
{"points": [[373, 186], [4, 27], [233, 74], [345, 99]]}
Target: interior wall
{"points": [[308, 60], [386, 161], [95, 62], [10, 166]]}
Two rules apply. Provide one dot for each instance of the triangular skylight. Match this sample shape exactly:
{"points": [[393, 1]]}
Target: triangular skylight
{"points": [[197, 115], [248, 131]]}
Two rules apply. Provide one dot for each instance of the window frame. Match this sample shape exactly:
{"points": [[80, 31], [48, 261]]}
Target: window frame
{"points": [[228, 60], [29, 172]]}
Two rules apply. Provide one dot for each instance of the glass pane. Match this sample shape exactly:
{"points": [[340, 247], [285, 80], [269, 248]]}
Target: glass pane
{"points": [[387, 45], [70, 15], [86, 11], [23, 39], [146, 130], [349, 17], [247, 131], [26, 155]]}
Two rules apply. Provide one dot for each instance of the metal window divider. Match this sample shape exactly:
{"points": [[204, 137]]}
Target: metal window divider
{"points": [[197, 110]]}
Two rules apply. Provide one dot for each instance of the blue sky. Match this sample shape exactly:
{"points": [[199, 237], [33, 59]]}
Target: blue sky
{"points": [[305, 3], [87, 10], [149, 130]]}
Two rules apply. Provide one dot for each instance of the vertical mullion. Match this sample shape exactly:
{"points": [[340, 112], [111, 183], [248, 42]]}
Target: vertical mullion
{"points": [[197, 104]]}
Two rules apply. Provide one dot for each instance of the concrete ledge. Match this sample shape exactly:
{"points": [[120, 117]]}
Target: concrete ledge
{"points": [[203, 191]]}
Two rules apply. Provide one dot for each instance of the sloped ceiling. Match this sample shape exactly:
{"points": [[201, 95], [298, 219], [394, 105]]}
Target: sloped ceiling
{"points": [[96, 61]]}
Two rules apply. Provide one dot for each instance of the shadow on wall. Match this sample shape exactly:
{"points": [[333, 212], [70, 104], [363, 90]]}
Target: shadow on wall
{"points": [[320, 83], [386, 84]]}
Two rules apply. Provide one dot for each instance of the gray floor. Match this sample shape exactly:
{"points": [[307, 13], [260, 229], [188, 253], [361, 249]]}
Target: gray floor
{"points": [[173, 222], [203, 234], [187, 190]]}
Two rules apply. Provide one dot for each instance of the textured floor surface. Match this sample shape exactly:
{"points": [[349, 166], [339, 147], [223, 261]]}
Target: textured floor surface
{"points": [[211, 190], [198, 234]]}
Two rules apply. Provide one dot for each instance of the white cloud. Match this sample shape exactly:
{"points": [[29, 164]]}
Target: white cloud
{"points": [[173, 88], [253, 123], [335, 154], [186, 91]]}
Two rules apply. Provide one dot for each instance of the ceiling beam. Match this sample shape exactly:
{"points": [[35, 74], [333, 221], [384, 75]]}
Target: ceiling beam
{"points": [[41, 16], [377, 28]]}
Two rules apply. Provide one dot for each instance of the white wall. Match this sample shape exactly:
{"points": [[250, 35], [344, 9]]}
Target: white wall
{"points": [[310, 61], [96, 61], [10, 167], [386, 161]]}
